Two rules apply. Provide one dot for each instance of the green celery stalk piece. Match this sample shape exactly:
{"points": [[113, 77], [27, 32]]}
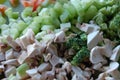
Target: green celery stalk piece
{"points": [[34, 26], [68, 6], [46, 19], [5, 32], [14, 33], [90, 13], [28, 20], [21, 26], [15, 15], [64, 17], [26, 12], [2, 20], [12, 77], [9, 12], [21, 70], [4, 27], [58, 8]]}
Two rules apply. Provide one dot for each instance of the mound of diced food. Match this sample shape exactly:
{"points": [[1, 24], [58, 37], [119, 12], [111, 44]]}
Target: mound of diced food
{"points": [[60, 40]]}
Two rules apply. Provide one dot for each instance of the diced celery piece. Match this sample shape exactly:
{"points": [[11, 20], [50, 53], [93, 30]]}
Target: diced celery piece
{"points": [[90, 13], [34, 13], [8, 12], [37, 19], [46, 19], [24, 31], [34, 26], [58, 8], [71, 9], [21, 70], [11, 14], [48, 16], [40, 35], [47, 27], [15, 15], [65, 26], [28, 20], [2, 20], [12, 77], [5, 32], [35, 29], [4, 27], [81, 6], [26, 12], [43, 11], [78, 7], [14, 33], [14, 25], [53, 13], [64, 17], [21, 25], [11, 21], [55, 22]]}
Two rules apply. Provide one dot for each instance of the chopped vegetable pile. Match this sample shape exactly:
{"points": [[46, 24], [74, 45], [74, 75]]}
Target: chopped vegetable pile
{"points": [[59, 40]]}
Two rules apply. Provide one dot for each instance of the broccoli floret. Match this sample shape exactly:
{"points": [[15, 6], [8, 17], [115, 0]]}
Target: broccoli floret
{"points": [[105, 14], [114, 27], [80, 56], [100, 18], [115, 22], [108, 18], [77, 42]]}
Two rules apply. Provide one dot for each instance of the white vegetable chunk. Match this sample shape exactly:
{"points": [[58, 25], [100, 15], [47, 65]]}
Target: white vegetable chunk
{"points": [[2, 56], [96, 56], [9, 54], [36, 77], [22, 57], [116, 54], [89, 28], [113, 70], [44, 67], [60, 37], [93, 39], [9, 71], [32, 72]]}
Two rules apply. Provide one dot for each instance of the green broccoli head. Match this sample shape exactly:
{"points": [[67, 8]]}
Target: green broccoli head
{"points": [[80, 56], [114, 27], [115, 22], [77, 41], [108, 18], [79, 44]]}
